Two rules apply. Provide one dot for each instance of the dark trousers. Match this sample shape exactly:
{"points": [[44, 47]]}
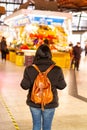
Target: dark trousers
{"points": [[3, 54], [77, 62]]}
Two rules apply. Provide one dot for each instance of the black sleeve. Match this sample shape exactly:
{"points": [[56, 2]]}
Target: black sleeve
{"points": [[26, 82], [61, 81]]}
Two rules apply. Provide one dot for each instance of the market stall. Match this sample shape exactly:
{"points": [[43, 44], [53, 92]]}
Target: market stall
{"points": [[32, 27]]}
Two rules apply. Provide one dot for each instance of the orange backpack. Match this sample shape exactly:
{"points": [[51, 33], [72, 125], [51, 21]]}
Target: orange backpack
{"points": [[41, 92]]}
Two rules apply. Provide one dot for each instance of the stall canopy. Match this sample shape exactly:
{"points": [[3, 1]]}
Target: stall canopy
{"points": [[28, 16]]}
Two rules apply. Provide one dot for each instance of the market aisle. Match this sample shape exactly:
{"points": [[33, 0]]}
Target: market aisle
{"points": [[14, 113]]}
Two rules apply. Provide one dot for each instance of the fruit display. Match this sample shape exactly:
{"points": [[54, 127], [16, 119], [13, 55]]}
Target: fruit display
{"points": [[56, 36]]}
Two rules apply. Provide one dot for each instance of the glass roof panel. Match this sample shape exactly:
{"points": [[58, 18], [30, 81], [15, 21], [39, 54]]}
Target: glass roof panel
{"points": [[78, 21]]}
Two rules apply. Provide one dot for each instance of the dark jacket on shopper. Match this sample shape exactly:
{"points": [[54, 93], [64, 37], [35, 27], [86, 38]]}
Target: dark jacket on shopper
{"points": [[3, 45], [55, 75], [77, 52]]}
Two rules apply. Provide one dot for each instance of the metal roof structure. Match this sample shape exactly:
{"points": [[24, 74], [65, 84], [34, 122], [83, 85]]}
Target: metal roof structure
{"points": [[78, 8]]}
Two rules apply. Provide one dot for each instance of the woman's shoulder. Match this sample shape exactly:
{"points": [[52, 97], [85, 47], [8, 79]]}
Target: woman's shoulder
{"points": [[57, 67], [29, 67]]}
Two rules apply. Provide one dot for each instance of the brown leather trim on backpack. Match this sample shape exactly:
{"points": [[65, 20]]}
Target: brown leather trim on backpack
{"points": [[47, 71], [36, 67], [50, 68]]}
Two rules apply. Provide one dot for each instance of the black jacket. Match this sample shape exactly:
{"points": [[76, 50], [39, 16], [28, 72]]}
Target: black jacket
{"points": [[3, 45], [55, 75], [77, 52]]}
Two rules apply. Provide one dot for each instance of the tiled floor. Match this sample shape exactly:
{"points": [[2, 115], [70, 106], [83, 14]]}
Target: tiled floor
{"points": [[15, 114]]}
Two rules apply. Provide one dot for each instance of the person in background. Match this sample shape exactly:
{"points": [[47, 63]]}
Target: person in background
{"points": [[71, 54], [85, 49], [43, 59], [77, 54], [46, 41], [3, 47]]}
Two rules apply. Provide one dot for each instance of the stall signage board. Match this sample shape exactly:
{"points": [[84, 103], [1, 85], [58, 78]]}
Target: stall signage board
{"points": [[39, 20], [48, 20]]}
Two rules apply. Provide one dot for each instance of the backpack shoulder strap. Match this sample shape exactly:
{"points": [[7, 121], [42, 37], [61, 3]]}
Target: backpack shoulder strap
{"points": [[49, 69], [36, 67]]}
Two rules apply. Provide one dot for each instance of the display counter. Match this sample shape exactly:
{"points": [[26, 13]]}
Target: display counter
{"points": [[16, 57], [19, 59], [61, 59], [12, 55], [26, 57]]}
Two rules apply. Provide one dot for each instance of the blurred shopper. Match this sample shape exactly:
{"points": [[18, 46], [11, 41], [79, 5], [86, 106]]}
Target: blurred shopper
{"points": [[42, 119], [71, 54], [46, 41], [85, 49], [3, 47], [77, 54]]}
